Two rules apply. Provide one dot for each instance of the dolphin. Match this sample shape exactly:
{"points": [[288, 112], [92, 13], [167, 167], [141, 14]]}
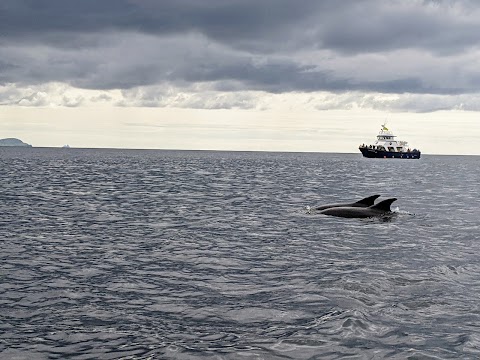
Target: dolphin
{"points": [[379, 209], [366, 202]]}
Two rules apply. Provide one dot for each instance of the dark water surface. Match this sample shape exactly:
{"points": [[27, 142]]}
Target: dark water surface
{"points": [[121, 254]]}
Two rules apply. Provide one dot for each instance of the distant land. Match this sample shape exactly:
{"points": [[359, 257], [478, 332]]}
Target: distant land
{"points": [[13, 142]]}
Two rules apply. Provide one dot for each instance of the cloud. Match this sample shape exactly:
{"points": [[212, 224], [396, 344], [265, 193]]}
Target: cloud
{"points": [[398, 102], [194, 98], [202, 97], [218, 53], [48, 95]]}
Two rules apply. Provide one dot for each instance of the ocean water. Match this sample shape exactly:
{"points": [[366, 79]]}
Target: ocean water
{"points": [[122, 254]]}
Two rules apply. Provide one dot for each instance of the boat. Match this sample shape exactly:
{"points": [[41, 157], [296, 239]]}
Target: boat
{"points": [[387, 147]]}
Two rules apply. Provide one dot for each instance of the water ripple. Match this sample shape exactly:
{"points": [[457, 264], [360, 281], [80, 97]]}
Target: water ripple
{"points": [[110, 254]]}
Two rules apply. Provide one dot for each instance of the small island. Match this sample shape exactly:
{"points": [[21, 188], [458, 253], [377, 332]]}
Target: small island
{"points": [[13, 142]]}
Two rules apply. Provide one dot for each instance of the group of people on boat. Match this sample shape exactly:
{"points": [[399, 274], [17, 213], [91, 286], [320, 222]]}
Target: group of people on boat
{"points": [[381, 148]]}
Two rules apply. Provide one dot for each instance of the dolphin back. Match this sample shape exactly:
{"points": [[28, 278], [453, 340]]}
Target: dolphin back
{"points": [[368, 201], [383, 205], [349, 212], [365, 202], [379, 209]]}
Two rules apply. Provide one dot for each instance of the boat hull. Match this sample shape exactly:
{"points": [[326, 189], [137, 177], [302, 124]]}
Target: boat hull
{"points": [[374, 153]]}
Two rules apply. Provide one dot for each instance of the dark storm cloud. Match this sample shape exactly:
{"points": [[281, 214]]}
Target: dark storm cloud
{"points": [[271, 45], [286, 77], [219, 19], [349, 25]]}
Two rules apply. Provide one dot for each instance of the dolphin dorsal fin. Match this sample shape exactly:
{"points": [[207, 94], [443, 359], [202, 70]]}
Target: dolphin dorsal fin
{"points": [[368, 201], [383, 205]]}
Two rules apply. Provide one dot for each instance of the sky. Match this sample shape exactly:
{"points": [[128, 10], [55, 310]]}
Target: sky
{"points": [[269, 75]]}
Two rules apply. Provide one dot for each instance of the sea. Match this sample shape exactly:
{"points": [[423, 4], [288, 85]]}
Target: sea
{"points": [[152, 254]]}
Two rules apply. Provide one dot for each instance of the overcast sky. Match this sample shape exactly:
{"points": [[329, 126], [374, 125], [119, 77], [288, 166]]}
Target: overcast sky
{"points": [[237, 61]]}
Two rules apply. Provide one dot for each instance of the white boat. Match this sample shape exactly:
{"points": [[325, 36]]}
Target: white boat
{"points": [[386, 146]]}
